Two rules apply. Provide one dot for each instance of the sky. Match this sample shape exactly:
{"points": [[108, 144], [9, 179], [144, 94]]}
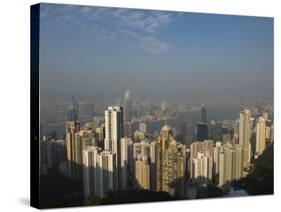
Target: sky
{"points": [[100, 52]]}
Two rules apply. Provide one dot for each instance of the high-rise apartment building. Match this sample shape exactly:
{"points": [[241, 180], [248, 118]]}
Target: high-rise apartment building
{"points": [[142, 172], [81, 140], [107, 172], [145, 148], [100, 135], [71, 128], [216, 157], [230, 164], [141, 148], [202, 167], [171, 161], [114, 133], [136, 150], [99, 172], [90, 179], [125, 156], [237, 162], [205, 146], [244, 137], [113, 128], [260, 136]]}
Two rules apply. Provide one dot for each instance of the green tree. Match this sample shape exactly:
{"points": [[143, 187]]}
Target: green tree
{"points": [[260, 178], [95, 200]]}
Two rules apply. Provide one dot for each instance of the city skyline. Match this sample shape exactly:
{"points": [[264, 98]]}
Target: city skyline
{"points": [[106, 161], [144, 105]]}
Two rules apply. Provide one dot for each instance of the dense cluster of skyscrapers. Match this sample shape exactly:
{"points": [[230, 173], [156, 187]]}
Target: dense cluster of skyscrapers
{"points": [[108, 156]]}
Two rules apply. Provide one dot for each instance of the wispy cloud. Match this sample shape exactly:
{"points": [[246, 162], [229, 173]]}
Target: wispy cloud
{"points": [[153, 45], [147, 21], [147, 42], [137, 26]]}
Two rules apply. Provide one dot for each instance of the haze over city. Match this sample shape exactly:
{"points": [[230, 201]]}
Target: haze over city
{"points": [[100, 52], [142, 105]]}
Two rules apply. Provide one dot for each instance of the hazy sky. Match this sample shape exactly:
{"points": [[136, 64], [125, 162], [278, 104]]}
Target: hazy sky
{"points": [[97, 51]]}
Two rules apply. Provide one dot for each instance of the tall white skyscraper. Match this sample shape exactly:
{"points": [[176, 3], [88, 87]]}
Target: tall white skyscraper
{"points": [[202, 168], [113, 128], [90, 180], [230, 164], [125, 144], [99, 172], [106, 172], [114, 133], [216, 156], [260, 136], [205, 146], [237, 162], [244, 137]]}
